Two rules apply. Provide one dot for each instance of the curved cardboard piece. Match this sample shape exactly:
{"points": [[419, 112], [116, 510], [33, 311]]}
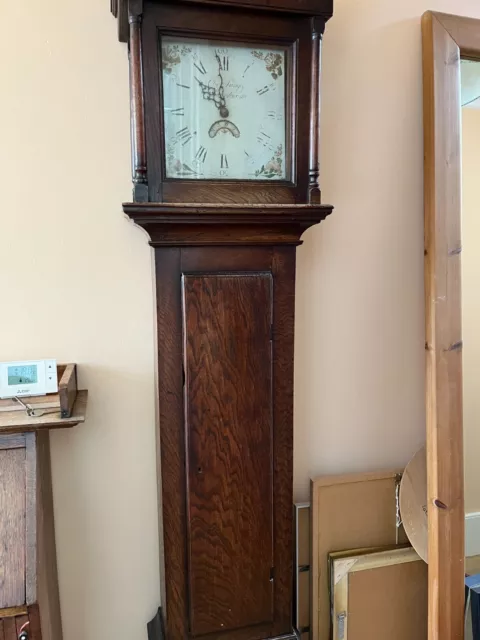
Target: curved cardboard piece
{"points": [[413, 503]]}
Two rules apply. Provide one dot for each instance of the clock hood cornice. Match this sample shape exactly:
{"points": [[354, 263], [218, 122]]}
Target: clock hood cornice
{"points": [[207, 224], [319, 8]]}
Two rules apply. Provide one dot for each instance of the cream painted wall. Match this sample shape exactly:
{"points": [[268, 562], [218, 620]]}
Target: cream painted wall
{"points": [[76, 278], [471, 303]]}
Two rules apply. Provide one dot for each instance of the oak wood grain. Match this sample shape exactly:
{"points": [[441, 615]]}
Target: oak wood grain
{"points": [[222, 578], [34, 628], [48, 596], [21, 622], [228, 396], [11, 612], [322, 8], [9, 629], [172, 440], [67, 390], [223, 264], [441, 74], [13, 441], [12, 527], [283, 271], [19, 422], [207, 225]]}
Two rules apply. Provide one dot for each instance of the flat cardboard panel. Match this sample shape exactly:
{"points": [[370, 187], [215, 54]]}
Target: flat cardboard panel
{"points": [[303, 559], [303, 620], [389, 602], [303, 542], [12, 527], [348, 512]]}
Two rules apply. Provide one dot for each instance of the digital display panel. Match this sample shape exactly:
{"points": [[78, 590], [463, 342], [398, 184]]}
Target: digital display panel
{"points": [[25, 374]]}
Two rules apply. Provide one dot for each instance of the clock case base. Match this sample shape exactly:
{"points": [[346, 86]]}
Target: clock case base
{"points": [[156, 630]]}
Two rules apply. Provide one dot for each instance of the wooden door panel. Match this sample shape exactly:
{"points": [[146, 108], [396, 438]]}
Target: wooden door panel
{"points": [[12, 527], [228, 409], [9, 629]]}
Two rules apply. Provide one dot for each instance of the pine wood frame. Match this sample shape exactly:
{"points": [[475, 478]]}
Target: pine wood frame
{"points": [[343, 567], [446, 39]]}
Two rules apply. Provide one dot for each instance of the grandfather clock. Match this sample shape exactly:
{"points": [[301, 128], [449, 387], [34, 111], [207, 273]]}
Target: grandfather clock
{"points": [[225, 108]]}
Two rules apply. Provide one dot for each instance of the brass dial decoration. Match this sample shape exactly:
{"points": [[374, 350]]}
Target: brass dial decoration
{"points": [[224, 108]]}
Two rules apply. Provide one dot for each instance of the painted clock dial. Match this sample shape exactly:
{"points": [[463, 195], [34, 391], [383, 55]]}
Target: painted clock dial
{"points": [[224, 110]]}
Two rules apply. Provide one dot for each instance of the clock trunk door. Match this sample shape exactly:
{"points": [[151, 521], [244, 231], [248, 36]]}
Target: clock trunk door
{"points": [[227, 321]]}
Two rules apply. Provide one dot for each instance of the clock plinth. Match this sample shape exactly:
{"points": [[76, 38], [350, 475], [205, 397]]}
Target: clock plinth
{"points": [[156, 628], [224, 239]]}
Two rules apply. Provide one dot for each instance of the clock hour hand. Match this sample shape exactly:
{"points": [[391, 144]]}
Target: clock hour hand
{"points": [[210, 93], [223, 106]]}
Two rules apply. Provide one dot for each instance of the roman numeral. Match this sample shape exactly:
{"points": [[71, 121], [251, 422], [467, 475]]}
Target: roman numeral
{"points": [[262, 133], [184, 86], [247, 154], [223, 161], [200, 67], [223, 62], [184, 136], [182, 133], [263, 90], [178, 112], [201, 154]]}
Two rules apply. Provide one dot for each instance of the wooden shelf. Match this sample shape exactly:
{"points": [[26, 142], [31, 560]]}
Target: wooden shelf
{"points": [[20, 422]]}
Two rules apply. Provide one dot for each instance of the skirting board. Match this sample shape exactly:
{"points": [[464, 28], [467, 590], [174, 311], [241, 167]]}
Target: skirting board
{"points": [[472, 534]]}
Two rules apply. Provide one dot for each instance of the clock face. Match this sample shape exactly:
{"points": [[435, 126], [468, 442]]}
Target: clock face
{"points": [[225, 111]]}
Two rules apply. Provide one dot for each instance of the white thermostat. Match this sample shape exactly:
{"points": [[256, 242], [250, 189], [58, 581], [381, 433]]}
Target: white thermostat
{"points": [[28, 378]]}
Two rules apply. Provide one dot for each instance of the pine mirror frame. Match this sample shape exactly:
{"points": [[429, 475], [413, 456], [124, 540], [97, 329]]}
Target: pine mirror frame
{"points": [[446, 40]]}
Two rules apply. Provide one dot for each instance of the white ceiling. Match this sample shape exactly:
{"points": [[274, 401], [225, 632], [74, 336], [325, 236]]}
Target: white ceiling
{"points": [[470, 84]]}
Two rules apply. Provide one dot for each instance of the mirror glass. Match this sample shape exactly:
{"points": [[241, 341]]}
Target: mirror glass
{"points": [[470, 95]]}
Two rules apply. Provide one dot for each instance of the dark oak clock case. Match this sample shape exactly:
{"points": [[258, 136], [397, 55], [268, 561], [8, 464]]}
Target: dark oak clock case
{"points": [[225, 286]]}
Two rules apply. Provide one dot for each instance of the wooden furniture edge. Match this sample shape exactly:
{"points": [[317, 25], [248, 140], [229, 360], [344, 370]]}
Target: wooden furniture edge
{"points": [[441, 69], [375, 560], [343, 567], [462, 29], [120, 11], [67, 390], [21, 423], [340, 606], [353, 478], [314, 566], [209, 225], [12, 612]]}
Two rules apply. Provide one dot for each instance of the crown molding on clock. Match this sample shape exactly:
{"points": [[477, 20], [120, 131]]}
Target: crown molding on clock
{"points": [[321, 8], [207, 225]]}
